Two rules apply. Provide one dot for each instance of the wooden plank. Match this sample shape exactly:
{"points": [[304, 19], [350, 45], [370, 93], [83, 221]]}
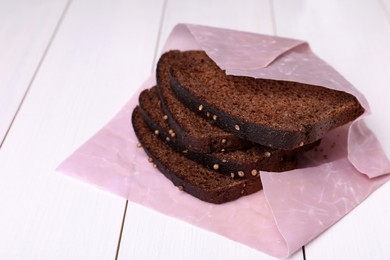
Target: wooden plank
{"points": [[362, 234], [248, 15], [98, 58], [174, 239], [354, 37], [26, 28]]}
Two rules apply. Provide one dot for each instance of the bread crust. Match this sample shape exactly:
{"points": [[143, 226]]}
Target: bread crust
{"points": [[246, 163], [335, 108], [181, 119], [188, 175]]}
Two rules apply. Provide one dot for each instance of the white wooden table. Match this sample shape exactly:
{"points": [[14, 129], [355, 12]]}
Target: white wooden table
{"points": [[66, 68]]}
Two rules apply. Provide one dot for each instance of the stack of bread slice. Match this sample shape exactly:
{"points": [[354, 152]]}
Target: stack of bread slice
{"points": [[211, 134]]}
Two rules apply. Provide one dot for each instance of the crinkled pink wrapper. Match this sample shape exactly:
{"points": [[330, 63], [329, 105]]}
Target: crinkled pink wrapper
{"points": [[295, 206]]}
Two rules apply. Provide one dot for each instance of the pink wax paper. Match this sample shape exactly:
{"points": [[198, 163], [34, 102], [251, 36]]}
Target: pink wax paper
{"points": [[295, 206]]}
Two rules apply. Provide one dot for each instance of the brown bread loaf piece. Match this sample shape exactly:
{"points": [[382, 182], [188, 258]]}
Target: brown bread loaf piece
{"points": [[198, 133], [187, 175], [278, 114], [244, 163]]}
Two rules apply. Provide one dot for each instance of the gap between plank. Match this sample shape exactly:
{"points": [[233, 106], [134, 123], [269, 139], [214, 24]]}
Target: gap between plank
{"points": [[159, 33], [121, 231], [303, 253], [273, 18], [58, 25], [154, 60]]}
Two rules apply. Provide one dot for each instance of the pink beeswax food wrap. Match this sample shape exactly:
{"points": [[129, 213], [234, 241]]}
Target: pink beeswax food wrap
{"points": [[295, 206]]}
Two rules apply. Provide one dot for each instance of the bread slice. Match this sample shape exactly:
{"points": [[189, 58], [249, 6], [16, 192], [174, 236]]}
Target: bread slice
{"points": [[187, 175], [278, 114], [239, 163], [196, 132]]}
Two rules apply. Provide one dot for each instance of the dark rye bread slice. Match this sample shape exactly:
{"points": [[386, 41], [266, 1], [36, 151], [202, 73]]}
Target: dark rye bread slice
{"points": [[273, 113], [240, 163], [198, 133], [188, 175]]}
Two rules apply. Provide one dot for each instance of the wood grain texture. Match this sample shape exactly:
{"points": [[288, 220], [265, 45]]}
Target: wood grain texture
{"points": [[353, 36], [80, 75], [173, 239], [98, 58], [26, 28]]}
